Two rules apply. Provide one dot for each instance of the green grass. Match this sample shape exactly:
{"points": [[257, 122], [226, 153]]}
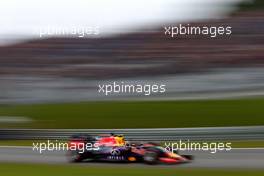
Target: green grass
{"points": [[248, 144], [81, 170], [255, 5], [165, 114]]}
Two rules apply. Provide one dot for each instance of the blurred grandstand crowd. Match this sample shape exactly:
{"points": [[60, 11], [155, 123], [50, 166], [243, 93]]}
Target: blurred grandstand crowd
{"points": [[70, 69], [140, 54]]}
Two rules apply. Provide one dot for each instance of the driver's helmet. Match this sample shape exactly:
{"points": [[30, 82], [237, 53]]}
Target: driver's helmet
{"points": [[120, 140]]}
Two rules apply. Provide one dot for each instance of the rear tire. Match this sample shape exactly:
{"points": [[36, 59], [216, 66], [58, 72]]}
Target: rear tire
{"points": [[74, 156]]}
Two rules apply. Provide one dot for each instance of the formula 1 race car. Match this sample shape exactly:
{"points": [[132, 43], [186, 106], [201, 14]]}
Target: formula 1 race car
{"points": [[114, 148]]}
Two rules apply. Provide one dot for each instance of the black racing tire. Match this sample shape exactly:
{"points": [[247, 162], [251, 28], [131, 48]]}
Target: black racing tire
{"points": [[74, 156], [150, 157], [189, 157]]}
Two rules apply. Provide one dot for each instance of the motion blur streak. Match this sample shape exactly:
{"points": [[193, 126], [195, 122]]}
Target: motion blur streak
{"points": [[25, 18], [65, 69], [151, 134]]}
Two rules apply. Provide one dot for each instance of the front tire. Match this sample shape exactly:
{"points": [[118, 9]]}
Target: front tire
{"points": [[150, 157]]}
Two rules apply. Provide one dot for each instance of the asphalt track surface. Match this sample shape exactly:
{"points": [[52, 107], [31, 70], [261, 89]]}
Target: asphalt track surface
{"points": [[236, 158]]}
